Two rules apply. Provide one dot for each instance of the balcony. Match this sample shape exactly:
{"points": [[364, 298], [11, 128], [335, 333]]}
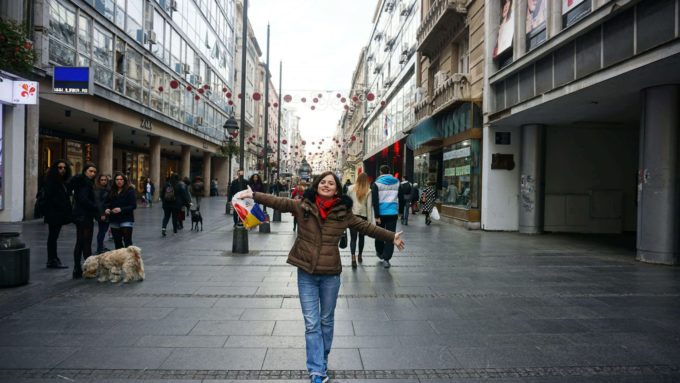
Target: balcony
{"points": [[444, 19], [451, 91], [423, 108]]}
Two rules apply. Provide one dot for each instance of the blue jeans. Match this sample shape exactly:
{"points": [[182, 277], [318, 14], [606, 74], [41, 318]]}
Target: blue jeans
{"points": [[149, 198], [318, 296]]}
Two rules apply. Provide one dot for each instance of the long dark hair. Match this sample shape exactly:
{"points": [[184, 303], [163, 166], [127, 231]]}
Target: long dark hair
{"points": [[115, 192], [252, 179], [317, 180], [53, 172]]}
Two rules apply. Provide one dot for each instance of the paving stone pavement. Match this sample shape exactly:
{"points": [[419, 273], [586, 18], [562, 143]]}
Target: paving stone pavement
{"points": [[456, 306]]}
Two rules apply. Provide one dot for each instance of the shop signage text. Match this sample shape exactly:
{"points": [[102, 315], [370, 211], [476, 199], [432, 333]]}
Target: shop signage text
{"points": [[146, 124], [457, 171], [458, 153], [72, 80]]}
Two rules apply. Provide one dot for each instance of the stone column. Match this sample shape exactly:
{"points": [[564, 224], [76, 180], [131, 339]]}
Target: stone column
{"points": [[155, 165], [220, 170], [519, 43], [206, 173], [106, 148], [658, 200], [31, 172], [532, 179], [553, 18], [186, 161]]}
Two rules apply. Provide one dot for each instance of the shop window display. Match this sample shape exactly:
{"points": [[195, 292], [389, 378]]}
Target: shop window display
{"points": [[461, 174]]}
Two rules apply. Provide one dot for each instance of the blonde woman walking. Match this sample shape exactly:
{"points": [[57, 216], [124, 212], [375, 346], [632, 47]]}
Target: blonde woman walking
{"points": [[362, 207]]}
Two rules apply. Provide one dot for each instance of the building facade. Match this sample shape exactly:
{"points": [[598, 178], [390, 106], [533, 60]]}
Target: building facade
{"points": [[389, 77], [447, 137], [581, 112]]}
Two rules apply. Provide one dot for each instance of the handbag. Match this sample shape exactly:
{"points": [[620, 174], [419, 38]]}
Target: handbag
{"points": [[343, 240], [434, 214]]}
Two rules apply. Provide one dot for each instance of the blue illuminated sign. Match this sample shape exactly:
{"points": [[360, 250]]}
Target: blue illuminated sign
{"points": [[72, 80]]}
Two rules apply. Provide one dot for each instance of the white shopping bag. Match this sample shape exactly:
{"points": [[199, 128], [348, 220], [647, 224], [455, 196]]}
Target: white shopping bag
{"points": [[434, 214]]}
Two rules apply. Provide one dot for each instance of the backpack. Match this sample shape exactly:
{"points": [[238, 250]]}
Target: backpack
{"points": [[406, 188], [169, 193]]}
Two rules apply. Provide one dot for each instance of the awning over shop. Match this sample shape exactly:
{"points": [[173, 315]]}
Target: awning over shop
{"points": [[432, 130]]}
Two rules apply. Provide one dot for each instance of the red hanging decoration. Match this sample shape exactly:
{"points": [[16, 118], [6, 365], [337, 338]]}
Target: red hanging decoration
{"points": [[189, 88], [319, 95], [346, 107], [230, 102], [174, 84], [304, 142], [160, 88], [228, 94], [224, 90], [201, 90], [303, 99], [239, 96], [197, 97], [355, 98], [353, 138], [315, 100], [284, 142], [257, 96], [338, 95], [382, 103], [370, 96], [206, 86], [276, 105], [287, 98], [313, 107], [343, 100]]}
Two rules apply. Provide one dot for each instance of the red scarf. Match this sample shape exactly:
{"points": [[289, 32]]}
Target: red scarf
{"points": [[325, 205]]}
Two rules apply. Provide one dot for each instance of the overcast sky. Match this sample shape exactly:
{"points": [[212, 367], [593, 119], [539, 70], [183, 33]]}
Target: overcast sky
{"points": [[319, 42]]}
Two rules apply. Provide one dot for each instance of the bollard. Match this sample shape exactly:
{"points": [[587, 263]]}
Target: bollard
{"points": [[277, 216], [14, 260], [239, 243], [265, 227]]}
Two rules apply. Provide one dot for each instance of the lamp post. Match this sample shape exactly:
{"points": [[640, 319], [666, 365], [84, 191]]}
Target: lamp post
{"points": [[239, 242]]}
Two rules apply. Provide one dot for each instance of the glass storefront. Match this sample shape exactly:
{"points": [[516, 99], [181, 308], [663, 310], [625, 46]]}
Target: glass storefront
{"points": [[461, 174], [136, 169], [427, 168]]}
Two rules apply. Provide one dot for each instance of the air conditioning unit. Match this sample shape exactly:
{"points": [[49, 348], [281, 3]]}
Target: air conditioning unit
{"points": [[377, 69], [403, 58], [141, 36], [196, 79], [378, 36], [152, 37], [389, 5], [172, 5], [199, 120], [404, 49]]}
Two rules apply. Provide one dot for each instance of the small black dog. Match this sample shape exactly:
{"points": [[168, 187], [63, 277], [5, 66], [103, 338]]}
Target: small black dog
{"points": [[196, 218]]}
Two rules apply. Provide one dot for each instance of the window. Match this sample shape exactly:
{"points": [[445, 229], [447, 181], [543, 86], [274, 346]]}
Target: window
{"points": [[574, 10], [463, 56], [158, 27], [535, 24], [102, 54], [84, 34], [62, 34], [135, 18], [105, 7], [461, 176]]}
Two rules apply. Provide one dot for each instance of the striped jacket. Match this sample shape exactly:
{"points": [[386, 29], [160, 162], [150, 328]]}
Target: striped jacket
{"points": [[385, 192]]}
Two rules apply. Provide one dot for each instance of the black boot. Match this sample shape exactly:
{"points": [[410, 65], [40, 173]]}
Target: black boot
{"points": [[77, 272]]}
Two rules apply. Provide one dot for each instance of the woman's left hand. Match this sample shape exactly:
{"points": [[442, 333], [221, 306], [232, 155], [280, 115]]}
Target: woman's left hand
{"points": [[116, 210], [398, 242]]}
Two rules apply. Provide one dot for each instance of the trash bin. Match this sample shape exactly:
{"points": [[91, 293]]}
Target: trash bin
{"points": [[14, 260]]}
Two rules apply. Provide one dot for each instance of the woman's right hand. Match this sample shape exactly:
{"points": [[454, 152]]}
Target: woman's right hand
{"points": [[398, 242], [243, 194]]}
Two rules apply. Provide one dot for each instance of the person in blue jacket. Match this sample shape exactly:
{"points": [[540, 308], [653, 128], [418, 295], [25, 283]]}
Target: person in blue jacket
{"points": [[385, 197], [120, 208]]}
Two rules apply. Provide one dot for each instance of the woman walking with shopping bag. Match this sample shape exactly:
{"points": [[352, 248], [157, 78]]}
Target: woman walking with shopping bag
{"points": [[427, 198], [323, 216]]}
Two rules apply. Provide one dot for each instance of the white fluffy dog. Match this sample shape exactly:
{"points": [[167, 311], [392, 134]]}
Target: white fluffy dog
{"points": [[110, 265]]}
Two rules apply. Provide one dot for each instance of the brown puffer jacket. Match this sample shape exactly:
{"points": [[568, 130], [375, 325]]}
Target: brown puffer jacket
{"points": [[316, 246]]}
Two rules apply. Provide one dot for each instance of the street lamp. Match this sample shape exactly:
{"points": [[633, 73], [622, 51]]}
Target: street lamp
{"points": [[230, 132], [240, 236]]}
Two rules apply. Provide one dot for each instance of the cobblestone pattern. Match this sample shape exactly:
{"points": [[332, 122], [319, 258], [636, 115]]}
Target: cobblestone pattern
{"points": [[670, 372]]}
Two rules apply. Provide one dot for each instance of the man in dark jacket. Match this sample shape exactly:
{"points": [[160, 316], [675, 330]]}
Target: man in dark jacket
{"points": [[85, 211], [174, 196], [236, 186], [405, 191]]}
